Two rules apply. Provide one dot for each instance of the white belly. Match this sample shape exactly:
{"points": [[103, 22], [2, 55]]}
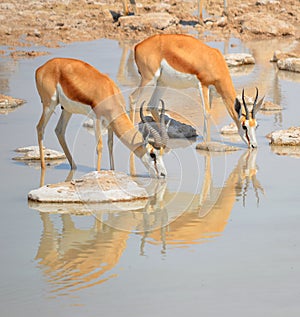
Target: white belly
{"points": [[71, 105], [172, 78]]}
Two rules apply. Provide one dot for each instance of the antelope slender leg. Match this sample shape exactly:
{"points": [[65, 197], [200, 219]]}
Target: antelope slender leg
{"points": [[99, 142], [131, 155], [110, 143], [200, 9], [60, 131], [204, 95], [154, 102], [47, 112], [134, 7], [42, 177], [206, 185], [70, 175], [132, 164], [121, 77], [225, 7], [133, 100], [125, 7]]}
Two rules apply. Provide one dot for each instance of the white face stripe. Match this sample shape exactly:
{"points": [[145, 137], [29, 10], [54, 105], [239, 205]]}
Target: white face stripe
{"points": [[249, 134], [155, 166]]}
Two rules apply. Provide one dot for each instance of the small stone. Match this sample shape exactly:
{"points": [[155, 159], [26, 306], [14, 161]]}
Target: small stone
{"points": [[229, 129], [222, 22], [32, 153], [37, 33], [10, 102], [238, 59], [215, 147]]}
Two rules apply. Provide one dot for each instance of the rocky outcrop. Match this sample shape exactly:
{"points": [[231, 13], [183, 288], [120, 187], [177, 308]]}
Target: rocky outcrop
{"points": [[289, 137], [289, 61], [94, 187], [260, 23]]}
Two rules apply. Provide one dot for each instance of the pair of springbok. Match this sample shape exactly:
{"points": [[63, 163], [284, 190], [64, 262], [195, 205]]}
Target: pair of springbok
{"points": [[162, 60]]}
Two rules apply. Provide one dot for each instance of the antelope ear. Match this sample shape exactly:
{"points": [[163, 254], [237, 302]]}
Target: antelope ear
{"points": [[237, 106], [258, 105]]}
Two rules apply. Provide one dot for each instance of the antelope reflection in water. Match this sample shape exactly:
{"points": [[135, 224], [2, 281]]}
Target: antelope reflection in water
{"points": [[73, 259], [210, 211]]}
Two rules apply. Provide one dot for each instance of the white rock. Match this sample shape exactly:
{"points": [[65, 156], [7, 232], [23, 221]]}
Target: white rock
{"points": [[290, 64], [289, 137], [9, 102], [238, 59], [222, 22], [32, 153], [89, 123], [215, 147], [229, 129], [94, 187]]}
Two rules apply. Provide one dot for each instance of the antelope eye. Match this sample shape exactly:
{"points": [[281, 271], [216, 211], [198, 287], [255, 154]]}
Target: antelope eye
{"points": [[153, 156], [244, 127]]}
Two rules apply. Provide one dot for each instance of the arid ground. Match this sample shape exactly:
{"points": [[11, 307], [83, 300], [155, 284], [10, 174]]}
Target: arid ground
{"points": [[50, 23]]}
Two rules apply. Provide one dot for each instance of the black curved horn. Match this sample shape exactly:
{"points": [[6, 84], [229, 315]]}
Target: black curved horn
{"points": [[156, 136], [254, 104], [163, 128], [245, 106]]}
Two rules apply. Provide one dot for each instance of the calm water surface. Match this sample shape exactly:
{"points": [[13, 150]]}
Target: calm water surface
{"points": [[221, 237]]}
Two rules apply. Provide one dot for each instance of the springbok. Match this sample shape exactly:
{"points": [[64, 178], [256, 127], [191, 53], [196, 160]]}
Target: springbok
{"points": [[79, 88], [181, 61]]}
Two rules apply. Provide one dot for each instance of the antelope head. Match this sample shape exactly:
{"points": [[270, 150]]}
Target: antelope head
{"points": [[155, 149], [247, 121]]}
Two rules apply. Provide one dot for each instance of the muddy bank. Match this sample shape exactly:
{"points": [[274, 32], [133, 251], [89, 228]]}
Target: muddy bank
{"points": [[50, 23]]}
